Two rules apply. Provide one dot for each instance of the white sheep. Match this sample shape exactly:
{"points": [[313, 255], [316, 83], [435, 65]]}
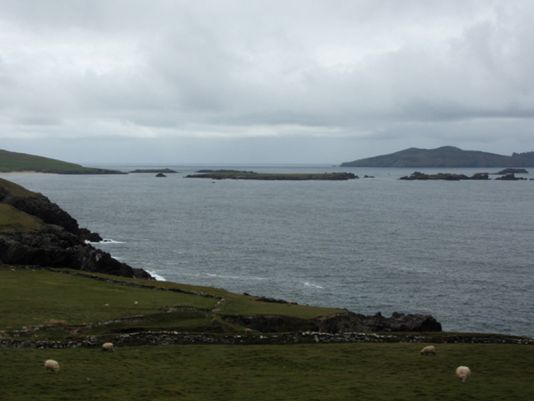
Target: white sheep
{"points": [[462, 373], [51, 365], [107, 346], [428, 350]]}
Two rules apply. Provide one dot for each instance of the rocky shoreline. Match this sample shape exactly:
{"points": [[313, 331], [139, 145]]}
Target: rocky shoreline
{"points": [[56, 241]]}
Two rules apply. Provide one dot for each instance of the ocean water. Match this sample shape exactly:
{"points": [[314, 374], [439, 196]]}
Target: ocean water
{"points": [[462, 251]]}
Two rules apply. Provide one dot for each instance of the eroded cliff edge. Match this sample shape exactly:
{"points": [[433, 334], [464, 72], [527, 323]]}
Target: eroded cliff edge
{"points": [[36, 231]]}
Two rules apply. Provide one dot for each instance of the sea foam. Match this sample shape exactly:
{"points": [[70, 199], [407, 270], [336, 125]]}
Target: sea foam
{"points": [[157, 276]]}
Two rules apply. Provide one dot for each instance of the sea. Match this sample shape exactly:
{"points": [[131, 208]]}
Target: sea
{"points": [[461, 251]]}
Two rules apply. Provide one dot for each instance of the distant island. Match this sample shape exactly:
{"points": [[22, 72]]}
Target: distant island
{"points": [[251, 175], [446, 156], [18, 162]]}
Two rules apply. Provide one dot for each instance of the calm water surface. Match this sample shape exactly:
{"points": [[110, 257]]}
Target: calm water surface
{"points": [[462, 251]]}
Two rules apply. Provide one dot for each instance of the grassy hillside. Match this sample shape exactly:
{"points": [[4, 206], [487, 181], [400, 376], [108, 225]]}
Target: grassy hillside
{"points": [[40, 298], [289, 372], [15, 190], [446, 156], [12, 161]]}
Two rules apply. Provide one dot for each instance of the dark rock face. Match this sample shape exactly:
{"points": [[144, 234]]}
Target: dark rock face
{"points": [[60, 243], [397, 322], [40, 206], [55, 247], [346, 322], [90, 236]]}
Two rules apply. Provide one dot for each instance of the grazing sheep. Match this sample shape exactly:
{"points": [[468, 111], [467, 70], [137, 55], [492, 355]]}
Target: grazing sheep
{"points": [[428, 350], [51, 365], [107, 347], [462, 373]]}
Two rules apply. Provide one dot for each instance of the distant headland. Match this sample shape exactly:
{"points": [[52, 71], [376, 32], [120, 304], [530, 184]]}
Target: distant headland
{"points": [[19, 162], [446, 156]]}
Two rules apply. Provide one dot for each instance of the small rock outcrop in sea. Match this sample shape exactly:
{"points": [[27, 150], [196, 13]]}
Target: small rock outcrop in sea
{"points": [[160, 175], [417, 175], [510, 177], [54, 239], [480, 176], [154, 170]]}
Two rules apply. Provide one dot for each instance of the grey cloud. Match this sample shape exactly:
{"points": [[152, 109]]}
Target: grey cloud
{"points": [[374, 71]]}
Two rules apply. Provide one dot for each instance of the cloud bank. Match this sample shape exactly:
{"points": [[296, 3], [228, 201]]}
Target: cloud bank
{"points": [[369, 76]]}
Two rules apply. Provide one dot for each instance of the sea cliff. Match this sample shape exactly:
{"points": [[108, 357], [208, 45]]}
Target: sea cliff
{"points": [[36, 231]]}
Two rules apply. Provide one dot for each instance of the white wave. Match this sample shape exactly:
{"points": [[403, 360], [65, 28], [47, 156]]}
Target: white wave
{"points": [[224, 276], [110, 241], [157, 276], [311, 285]]}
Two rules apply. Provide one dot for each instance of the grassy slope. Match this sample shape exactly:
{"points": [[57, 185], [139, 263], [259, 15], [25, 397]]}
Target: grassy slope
{"points": [[237, 304], [289, 372], [35, 297], [30, 298], [12, 161], [15, 189], [12, 219]]}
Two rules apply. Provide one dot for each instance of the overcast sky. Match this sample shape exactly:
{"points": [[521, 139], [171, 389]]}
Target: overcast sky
{"points": [[263, 81]]}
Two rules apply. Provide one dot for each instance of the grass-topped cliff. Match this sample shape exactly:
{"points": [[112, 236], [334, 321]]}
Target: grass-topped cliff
{"points": [[36, 231], [446, 156], [13, 161]]}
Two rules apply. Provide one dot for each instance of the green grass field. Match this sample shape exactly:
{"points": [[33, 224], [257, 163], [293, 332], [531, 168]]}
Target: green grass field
{"points": [[31, 298], [392, 372], [35, 297]]}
